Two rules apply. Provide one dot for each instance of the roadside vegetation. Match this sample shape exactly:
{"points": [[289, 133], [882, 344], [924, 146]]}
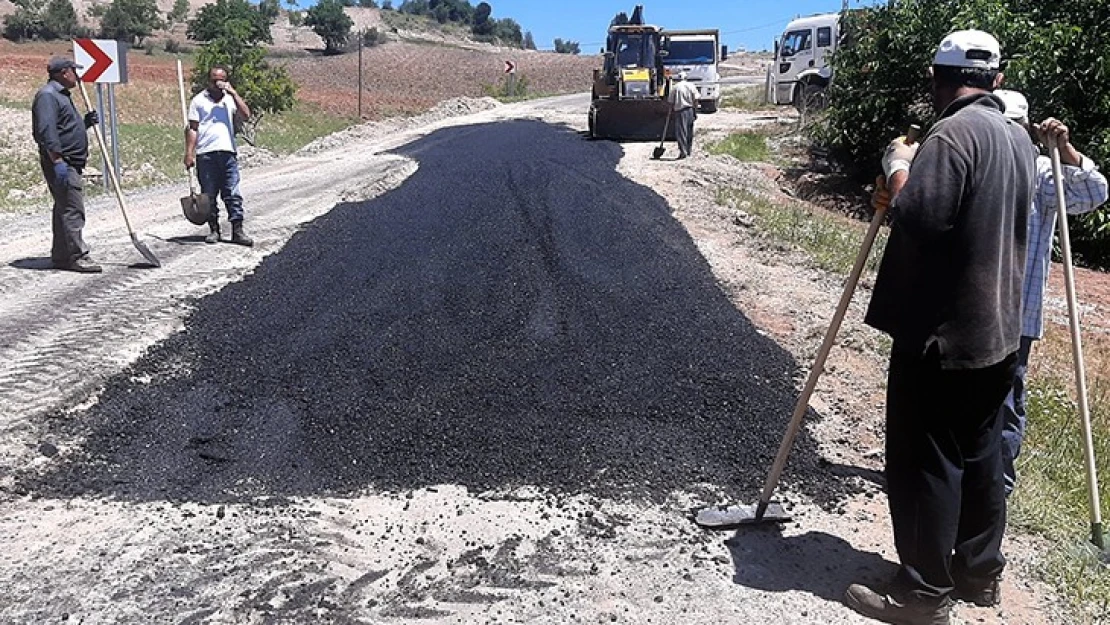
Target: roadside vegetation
{"points": [[748, 146], [1052, 53], [746, 98]]}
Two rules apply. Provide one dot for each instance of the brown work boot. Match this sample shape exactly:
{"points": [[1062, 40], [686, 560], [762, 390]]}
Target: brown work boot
{"points": [[213, 232], [984, 596], [887, 609], [238, 237]]}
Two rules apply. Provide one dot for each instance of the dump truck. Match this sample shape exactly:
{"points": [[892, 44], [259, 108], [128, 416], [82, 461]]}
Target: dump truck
{"points": [[629, 93], [698, 53], [800, 72]]}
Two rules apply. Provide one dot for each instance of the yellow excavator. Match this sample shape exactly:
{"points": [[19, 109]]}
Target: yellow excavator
{"points": [[630, 90]]}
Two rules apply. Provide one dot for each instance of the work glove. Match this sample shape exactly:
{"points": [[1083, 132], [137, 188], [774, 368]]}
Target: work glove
{"points": [[91, 119], [898, 156], [61, 173], [880, 198]]}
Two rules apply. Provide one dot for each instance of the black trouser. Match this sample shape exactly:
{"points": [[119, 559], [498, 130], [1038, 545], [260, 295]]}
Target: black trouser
{"points": [[684, 130], [69, 215], [944, 470]]}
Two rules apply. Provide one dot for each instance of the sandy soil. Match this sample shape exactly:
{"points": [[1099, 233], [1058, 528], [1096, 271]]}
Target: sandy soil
{"points": [[441, 554]]}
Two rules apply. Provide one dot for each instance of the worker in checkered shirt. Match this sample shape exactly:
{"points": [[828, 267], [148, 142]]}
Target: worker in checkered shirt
{"points": [[1085, 190]]}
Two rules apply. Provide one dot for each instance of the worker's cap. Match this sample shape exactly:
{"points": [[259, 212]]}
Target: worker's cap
{"points": [[58, 63], [1017, 107], [969, 48]]}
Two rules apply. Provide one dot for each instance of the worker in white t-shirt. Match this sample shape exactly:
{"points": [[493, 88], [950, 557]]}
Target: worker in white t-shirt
{"points": [[210, 146], [684, 101]]}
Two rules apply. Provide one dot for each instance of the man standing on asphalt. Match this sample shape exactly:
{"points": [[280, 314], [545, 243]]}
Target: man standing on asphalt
{"points": [[949, 294], [684, 102], [210, 145], [61, 134], [1085, 190]]}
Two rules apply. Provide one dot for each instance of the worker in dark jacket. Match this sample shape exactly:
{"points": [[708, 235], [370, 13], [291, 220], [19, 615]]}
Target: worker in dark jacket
{"points": [[61, 134], [949, 294]]}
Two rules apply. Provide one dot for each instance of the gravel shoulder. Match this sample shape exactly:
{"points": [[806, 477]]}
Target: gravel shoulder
{"points": [[439, 553]]}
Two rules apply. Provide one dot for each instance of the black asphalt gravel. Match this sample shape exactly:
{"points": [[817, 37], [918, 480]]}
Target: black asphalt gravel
{"points": [[516, 313]]}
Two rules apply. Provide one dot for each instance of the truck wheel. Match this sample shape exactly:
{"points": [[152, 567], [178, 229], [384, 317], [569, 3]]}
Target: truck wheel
{"points": [[810, 98]]}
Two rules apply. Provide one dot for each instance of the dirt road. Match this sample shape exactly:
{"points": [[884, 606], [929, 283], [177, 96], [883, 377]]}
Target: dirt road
{"points": [[475, 369]]}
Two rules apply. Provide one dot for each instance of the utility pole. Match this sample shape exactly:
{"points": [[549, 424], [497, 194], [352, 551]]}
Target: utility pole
{"points": [[360, 38]]}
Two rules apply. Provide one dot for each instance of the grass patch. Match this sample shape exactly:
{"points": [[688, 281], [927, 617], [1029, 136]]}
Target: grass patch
{"points": [[746, 98], [833, 242], [287, 132], [744, 146], [1051, 497]]}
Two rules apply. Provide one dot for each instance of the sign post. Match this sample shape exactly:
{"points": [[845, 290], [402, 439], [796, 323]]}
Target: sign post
{"points": [[105, 63], [510, 69]]}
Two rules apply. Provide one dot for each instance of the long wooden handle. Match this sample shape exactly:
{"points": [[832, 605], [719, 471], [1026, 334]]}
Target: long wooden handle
{"points": [[104, 153], [185, 122], [1077, 350], [822, 354]]}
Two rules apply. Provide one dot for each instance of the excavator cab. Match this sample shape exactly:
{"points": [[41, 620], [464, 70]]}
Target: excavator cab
{"points": [[630, 89]]}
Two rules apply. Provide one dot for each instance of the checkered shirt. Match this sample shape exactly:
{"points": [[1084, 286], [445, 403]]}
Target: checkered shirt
{"points": [[1085, 190]]}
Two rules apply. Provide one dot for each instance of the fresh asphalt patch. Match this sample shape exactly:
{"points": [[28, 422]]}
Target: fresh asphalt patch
{"points": [[516, 313]]}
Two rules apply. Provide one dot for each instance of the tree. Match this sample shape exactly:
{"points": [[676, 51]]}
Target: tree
{"points": [[178, 14], [529, 41], [215, 20], [268, 89], [130, 20], [567, 47], [387, 5], [368, 4], [270, 10], [59, 21], [1054, 59], [328, 20]]}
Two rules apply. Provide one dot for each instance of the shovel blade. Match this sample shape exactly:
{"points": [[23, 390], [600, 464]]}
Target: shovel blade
{"points": [[145, 251], [196, 207], [657, 153], [731, 517]]}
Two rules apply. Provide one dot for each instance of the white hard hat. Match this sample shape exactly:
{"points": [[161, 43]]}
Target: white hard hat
{"points": [[969, 48], [681, 76], [1017, 107]]}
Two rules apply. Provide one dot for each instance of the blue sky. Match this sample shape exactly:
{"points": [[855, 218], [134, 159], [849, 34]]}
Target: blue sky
{"points": [[753, 24]]}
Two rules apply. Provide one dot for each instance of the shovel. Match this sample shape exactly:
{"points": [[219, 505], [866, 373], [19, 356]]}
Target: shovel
{"points": [[196, 206], [766, 511], [139, 245], [1077, 352], [657, 153]]}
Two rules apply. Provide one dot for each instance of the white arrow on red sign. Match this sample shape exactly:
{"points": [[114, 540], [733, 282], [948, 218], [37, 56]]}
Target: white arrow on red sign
{"points": [[510, 68]]}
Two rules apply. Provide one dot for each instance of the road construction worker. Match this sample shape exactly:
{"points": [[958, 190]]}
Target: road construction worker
{"points": [[948, 292], [210, 145], [62, 136], [684, 104], [1085, 189]]}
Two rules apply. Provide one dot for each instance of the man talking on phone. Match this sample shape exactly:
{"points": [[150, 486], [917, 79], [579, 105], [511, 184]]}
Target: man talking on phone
{"points": [[210, 146]]}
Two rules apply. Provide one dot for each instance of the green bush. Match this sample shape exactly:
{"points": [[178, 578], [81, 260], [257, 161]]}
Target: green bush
{"points": [[328, 20], [215, 20], [129, 20], [1054, 54]]}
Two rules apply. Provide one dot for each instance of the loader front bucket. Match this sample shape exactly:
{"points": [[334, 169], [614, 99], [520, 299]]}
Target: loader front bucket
{"points": [[634, 120]]}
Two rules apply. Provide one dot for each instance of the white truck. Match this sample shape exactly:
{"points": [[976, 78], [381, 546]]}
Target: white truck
{"points": [[800, 71], [698, 53]]}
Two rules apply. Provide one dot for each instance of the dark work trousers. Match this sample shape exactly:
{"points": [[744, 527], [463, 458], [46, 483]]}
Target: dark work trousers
{"points": [[69, 216], [684, 130], [944, 471], [218, 173], [1013, 417]]}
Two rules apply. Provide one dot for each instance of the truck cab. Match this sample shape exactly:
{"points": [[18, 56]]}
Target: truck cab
{"points": [[698, 53], [800, 71]]}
